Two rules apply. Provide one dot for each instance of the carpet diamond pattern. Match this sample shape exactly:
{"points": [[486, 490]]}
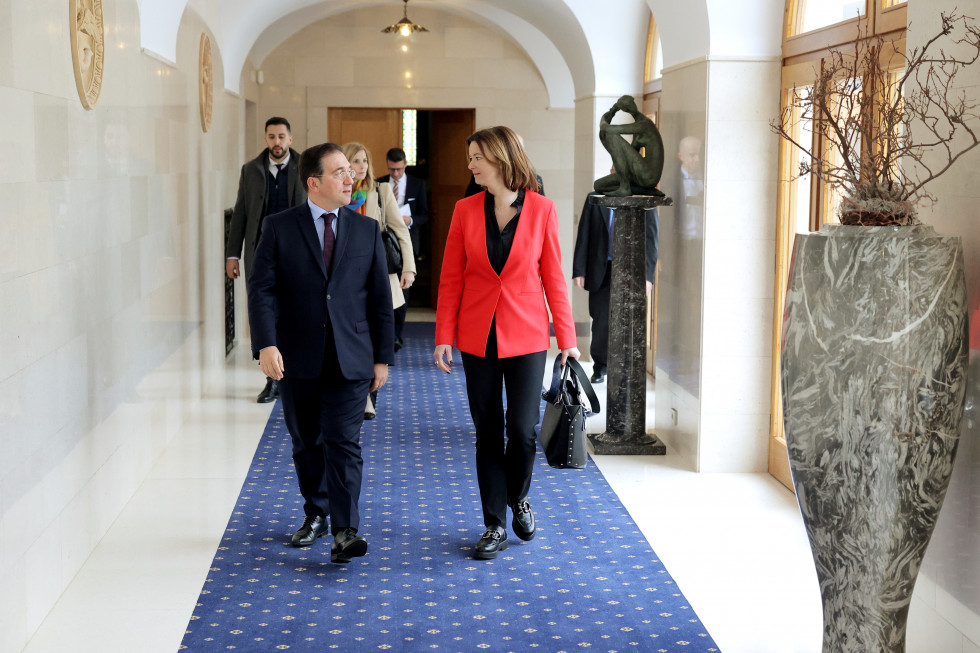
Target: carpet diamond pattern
{"points": [[588, 580]]}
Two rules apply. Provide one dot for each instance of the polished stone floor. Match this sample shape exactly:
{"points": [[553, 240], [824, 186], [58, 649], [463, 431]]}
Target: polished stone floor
{"points": [[734, 543]]}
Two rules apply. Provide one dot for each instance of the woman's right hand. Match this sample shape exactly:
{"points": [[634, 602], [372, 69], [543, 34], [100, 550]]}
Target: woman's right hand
{"points": [[444, 358]]}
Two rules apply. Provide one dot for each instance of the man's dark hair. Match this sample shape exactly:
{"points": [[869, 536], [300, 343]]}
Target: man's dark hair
{"points": [[277, 120], [395, 154], [311, 161]]}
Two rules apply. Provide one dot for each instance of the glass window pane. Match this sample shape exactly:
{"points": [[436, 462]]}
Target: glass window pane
{"points": [[821, 13], [848, 88], [653, 67], [893, 97], [800, 191], [410, 136]]}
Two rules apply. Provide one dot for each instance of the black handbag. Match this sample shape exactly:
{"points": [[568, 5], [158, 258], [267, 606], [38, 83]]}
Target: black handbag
{"points": [[562, 431], [393, 249]]}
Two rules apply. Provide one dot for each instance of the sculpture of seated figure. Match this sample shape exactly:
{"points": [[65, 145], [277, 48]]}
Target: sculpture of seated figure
{"points": [[636, 172]]}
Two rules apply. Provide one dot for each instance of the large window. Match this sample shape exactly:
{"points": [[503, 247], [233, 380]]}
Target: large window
{"points": [[812, 28], [410, 129], [814, 14]]}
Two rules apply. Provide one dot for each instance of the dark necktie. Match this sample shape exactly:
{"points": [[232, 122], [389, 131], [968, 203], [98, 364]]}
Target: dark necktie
{"points": [[329, 239], [278, 171]]}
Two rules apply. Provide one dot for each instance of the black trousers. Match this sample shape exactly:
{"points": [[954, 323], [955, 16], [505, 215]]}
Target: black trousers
{"points": [[324, 417], [599, 312], [503, 470]]}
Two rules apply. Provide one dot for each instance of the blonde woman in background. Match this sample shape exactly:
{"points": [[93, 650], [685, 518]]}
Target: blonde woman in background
{"points": [[367, 198]]}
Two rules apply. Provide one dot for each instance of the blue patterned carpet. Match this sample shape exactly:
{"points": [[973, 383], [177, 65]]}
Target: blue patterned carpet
{"points": [[588, 581]]}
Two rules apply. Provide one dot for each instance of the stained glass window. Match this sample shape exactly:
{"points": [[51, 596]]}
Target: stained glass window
{"points": [[410, 136]]}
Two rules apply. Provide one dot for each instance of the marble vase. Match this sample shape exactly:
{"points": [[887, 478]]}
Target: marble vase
{"points": [[874, 361]]}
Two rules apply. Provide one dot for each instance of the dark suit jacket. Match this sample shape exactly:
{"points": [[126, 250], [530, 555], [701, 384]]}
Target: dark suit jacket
{"points": [[250, 206], [592, 244], [415, 197], [290, 297]]}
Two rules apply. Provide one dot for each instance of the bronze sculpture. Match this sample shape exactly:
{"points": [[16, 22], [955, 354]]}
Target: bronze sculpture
{"points": [[638, 164]]}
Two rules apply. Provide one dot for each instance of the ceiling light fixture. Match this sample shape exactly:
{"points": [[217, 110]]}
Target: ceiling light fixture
{"points": [[404, 27]]}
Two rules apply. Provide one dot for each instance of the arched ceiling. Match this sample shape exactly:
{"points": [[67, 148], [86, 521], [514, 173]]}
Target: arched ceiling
{"points": [[577, 45], [549, 61]]}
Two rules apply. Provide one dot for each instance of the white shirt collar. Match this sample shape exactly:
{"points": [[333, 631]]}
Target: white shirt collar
{"points": [[319, 211], [273, 165]]}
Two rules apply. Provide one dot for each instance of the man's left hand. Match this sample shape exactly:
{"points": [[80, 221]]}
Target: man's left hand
{"points": [[380, 376]]}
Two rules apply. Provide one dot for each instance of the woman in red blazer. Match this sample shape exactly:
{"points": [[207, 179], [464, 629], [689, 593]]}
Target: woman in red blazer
{"points": [[502, 258]]}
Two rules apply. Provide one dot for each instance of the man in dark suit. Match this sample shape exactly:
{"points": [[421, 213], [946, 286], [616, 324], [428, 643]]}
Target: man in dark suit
{"points": [[414, 207], [592, 271], [320, 307], [268, 184]]}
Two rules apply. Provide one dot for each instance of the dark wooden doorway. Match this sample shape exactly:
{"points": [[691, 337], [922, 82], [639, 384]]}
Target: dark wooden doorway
{"points": [[449, 177], [377, 129], [441, 163]]}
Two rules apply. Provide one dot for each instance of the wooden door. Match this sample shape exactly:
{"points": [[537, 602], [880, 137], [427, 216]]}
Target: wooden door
{"points": [[448, 179], [378, 129]]}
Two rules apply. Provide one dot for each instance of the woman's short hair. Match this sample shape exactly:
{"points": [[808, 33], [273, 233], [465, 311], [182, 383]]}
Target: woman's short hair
{"points": [[350, 151], [502, 147]]}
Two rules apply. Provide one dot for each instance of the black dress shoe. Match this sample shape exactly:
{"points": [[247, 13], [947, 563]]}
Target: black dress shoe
{"points": [[270, 393], [492, 542], [313, 527], [398, 344], [523, 522], [347, 544], [598, 374]]}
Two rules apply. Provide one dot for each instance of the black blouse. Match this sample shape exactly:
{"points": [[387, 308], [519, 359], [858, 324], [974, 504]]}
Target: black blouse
{"points": [[499, 242]]}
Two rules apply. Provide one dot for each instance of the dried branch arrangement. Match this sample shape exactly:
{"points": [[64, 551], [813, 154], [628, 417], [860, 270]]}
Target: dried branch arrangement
{"points": [[881, 147]]}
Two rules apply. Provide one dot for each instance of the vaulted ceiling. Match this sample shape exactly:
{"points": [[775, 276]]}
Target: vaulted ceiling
{"points": [[578, 46]]}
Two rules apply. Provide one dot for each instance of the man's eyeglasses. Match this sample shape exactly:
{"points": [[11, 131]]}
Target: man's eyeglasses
{"points": [[340, 174]]}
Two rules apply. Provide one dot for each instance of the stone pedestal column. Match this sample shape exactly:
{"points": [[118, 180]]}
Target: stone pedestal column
{"points": [[626, 383]]}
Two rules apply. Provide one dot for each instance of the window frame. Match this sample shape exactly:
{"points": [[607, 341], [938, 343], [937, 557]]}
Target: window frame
{"points": [[802, 53]]}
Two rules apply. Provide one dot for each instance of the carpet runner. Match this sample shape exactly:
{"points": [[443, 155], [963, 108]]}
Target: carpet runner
{"points": [[588, 580]]}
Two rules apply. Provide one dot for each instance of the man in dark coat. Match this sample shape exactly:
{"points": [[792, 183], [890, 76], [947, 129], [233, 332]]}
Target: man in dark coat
{"points": [[592, 271], [414, 206], [320, 307], [268, 184]]}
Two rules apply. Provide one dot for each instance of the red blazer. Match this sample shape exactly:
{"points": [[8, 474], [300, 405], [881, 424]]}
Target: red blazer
{"points": [[471, 293]]}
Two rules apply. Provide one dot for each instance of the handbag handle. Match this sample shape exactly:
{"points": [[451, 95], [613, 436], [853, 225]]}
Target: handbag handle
{"points": [[559, 375]]}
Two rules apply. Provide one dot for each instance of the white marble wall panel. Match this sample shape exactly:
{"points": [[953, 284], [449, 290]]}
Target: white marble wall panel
{"points": [[952, 561], [681, 284], [715, 312], [733, 441], [6, 45], [677, 415], [41, 44], [108, 270], [17, 157]]}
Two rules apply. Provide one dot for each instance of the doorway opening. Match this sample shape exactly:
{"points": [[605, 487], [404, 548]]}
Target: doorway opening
{"points": [[439, 140]]}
